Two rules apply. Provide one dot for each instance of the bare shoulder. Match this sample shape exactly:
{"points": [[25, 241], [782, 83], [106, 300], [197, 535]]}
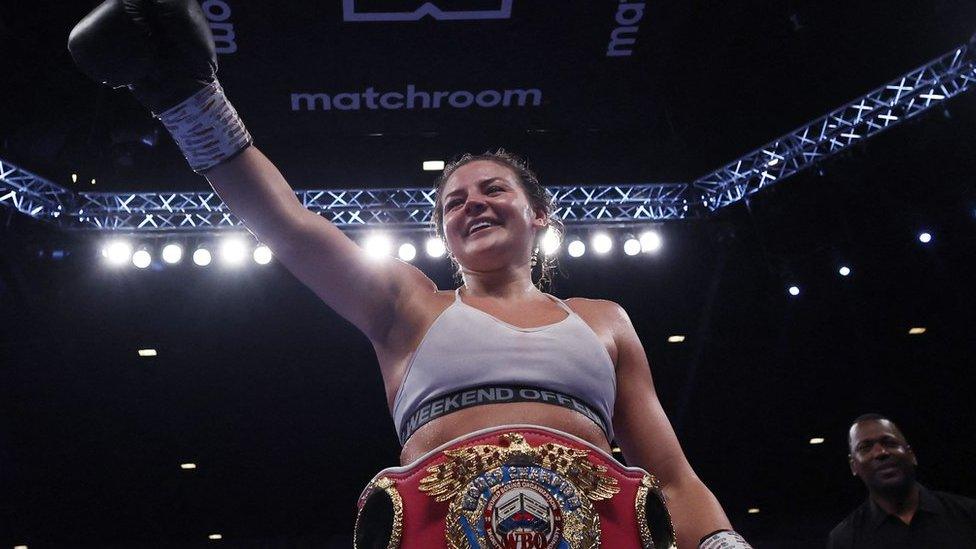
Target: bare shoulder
{"points": [[603, 310], [607, 318]]}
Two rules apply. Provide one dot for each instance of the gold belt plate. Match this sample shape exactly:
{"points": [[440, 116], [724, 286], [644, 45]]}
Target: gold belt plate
{"points": [[515, 495]]}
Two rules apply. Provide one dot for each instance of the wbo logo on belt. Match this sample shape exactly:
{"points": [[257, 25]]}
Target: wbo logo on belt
{"points": [[520, 497]]}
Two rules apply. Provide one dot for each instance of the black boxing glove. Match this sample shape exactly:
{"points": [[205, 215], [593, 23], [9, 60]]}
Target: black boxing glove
{"points": [[163, 51]]}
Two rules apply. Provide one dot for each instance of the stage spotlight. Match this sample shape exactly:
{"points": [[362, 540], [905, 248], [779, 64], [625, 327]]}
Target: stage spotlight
{"points": [[435, 247], [233, 251], [753, 511], [650, 241], [576, 248], [378, 245], [202, 257], [925, 238], [844, 271], [141, 259], [817, 440], [550, 242], [262, 255], [433, 165], [407, 252], [118, 252], [172, 253], [602, 243], [794, 290], [632, 246]]}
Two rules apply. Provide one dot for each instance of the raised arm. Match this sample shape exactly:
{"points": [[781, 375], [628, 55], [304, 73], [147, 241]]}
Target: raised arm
{"points": [[366, 291], [162, 50], [648, 441]]}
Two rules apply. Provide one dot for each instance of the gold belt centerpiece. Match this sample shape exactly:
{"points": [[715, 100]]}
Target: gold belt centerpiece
{"points": [[513, 495]]}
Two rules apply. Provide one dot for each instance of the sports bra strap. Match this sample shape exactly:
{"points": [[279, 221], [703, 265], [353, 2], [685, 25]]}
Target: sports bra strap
{"points": [[561, 304]]}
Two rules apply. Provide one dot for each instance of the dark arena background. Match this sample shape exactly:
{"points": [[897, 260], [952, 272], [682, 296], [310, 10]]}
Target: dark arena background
{"points": [[769, 145]]}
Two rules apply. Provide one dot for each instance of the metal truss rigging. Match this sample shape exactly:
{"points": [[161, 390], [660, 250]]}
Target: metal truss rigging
{"points": [[580, 205], [33, 195], [360, 208], [903, 98]]}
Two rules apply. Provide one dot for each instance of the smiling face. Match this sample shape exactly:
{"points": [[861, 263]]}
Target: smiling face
{"points": [[881, 456], [485, 192]]}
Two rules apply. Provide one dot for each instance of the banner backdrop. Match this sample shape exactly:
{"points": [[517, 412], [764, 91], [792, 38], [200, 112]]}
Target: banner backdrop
{"points": [[365, 67], [353, 93]]}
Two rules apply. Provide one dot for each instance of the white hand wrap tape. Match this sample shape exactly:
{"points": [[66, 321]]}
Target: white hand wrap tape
{"points": [[726, 539], [207, 128]]}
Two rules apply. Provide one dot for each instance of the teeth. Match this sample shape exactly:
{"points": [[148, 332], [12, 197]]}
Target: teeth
{"points": [[479, 226]]}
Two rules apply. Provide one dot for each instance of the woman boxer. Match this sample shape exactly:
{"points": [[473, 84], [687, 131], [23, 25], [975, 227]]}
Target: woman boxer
{"points": [[505, 398]]}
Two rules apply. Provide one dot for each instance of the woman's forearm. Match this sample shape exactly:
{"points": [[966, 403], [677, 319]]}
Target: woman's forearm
{"points": [[694, 511]]}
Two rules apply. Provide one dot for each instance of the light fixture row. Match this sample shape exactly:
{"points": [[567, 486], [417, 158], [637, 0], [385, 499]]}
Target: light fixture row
{"points": [[233, 251], [382, 245]]}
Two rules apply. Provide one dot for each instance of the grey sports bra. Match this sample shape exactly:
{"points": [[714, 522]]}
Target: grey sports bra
{"points": [[469, 357]]}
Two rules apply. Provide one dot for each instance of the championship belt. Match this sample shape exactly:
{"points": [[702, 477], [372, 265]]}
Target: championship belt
{"points": [[514, 487]]}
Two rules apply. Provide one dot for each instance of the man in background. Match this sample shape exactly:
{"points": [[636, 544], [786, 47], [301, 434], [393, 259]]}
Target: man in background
{"points": [[899, 512]]}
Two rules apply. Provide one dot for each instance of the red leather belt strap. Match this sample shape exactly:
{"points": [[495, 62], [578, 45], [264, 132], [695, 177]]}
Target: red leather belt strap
{"points": [[514, 487]]}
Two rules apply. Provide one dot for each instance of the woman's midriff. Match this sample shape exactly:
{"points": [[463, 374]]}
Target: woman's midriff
{"points": [[462, 422]]}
